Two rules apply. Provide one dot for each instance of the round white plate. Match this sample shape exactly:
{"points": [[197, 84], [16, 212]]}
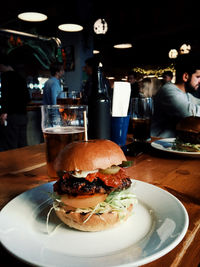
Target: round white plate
{"points": [[162, 144], [158, 223]]}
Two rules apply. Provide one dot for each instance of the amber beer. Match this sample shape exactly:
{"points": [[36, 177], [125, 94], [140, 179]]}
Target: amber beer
{"points": [[141, 129], [141, 109], [56, 139], [69, 98]]}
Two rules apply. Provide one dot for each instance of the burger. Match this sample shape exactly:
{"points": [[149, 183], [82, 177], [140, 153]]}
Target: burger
{"points": [[92, 192], [188, 134]]}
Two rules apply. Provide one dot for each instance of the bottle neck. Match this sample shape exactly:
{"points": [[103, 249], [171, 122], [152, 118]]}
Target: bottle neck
{"points": [[101, 84]]}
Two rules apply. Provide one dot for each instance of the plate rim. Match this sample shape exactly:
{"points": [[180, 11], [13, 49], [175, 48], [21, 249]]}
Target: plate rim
{"points": [[160, 147], [138, 262]]}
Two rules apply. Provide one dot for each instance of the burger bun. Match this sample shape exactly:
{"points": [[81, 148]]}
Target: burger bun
{"points": [[90, 155], [96, 222], [188, 130]]}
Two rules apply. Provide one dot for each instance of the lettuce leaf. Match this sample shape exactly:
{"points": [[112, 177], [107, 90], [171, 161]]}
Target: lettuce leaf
{"points": [[185, 147], [116, 201]]}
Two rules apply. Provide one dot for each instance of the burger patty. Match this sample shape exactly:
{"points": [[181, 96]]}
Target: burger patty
{"points": [[80, 186], [188, 137]]}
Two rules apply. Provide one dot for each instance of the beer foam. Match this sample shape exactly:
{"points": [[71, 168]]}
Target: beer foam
{"points": [[64, 130]]}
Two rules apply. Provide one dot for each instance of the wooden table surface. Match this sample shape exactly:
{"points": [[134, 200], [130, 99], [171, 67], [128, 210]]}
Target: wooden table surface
{"points": [[25, 168]]}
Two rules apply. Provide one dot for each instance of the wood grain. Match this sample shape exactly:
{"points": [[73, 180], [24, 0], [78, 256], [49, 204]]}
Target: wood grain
{"points": [[25, 168]]}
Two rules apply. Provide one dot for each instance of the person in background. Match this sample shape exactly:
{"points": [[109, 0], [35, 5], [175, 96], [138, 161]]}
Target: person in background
{"points": [[90, 69], [174, 101], [52, 86], [13, 113], [156, 85], [196, 93], [149, 86], [132, 79], [146, 86], [167, 77]]}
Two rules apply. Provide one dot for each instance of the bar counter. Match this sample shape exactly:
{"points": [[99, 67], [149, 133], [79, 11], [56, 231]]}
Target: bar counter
{"points": [[25, 168]]}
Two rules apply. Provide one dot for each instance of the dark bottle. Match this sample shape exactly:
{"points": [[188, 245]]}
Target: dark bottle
{"points": [[99, 108]]}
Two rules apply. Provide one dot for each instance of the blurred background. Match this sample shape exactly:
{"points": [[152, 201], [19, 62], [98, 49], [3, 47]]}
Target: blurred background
{"points": [[156, 32], [152, 28]]}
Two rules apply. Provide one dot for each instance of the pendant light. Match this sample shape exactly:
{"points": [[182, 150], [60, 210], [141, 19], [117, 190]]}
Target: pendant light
{"points": [[69, 27], [32, 16], [123, 46]]}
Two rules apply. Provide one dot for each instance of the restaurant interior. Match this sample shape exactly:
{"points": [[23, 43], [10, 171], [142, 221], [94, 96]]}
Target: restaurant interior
{"points": [[164, 228], [151, 32]]}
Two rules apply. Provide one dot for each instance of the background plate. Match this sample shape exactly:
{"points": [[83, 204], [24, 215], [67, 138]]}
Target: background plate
{"points": [[158, 145]]}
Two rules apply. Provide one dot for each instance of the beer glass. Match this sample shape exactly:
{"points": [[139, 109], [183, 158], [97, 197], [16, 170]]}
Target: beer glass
{"points": [[69, 98], [61, 124], [140, 123]]}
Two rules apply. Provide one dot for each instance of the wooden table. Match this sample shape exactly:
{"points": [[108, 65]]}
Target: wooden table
{"points": [[25, 168]]}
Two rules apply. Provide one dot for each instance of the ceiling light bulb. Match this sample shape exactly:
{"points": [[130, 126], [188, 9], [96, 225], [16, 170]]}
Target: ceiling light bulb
{"points": [[96, 51], [173, 53], [32, 16], [100, 26], [185, 49], [70, 27], [123, 46]]}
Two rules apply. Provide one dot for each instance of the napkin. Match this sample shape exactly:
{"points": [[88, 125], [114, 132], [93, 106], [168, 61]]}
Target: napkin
{"points": [[164, 143], [121, 98]]}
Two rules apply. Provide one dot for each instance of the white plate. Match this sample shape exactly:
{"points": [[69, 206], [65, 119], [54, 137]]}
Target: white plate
{"points": [[159, 222], [160, 144]]}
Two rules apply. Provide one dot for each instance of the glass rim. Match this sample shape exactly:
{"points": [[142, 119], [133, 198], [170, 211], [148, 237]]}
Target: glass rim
{"points": [[142, 97], [67, 106]]}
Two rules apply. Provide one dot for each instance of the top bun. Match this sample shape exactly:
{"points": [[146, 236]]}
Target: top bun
{"points": [[188, 130], [189, 124], [90, 155]]}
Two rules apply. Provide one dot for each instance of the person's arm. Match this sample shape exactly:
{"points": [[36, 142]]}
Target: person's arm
{"points": [[177, 104]]}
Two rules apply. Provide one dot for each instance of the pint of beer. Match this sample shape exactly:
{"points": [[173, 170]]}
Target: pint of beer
{"points": [[140, 122], [61, 124]]}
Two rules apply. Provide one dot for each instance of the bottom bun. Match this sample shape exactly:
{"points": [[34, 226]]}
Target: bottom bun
{"points": [[97, 222]]}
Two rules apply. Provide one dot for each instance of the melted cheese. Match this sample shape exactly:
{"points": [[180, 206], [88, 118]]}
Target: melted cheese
{"points": [[81, 174]]}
